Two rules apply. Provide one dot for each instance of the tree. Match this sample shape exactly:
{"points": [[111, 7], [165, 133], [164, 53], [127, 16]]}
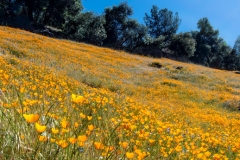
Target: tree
{"points": [[162, 22], [236, 46], [116, 17], [161, 25], [93, 28], [132, 35], [221, 50], [87, 27], [33, 8], [153, 46], [72, 9], [183, 45], [51, 12], [10, 7], [211, 50], [231, 61], [207, 42]]}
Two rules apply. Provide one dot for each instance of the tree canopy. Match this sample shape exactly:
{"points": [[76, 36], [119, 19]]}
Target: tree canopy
{"points": [[162, 22], [55, 13], [183, 45], [116, 18]]}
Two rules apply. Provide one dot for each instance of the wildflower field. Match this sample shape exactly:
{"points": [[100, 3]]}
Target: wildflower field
{"points": [[65, 100]]}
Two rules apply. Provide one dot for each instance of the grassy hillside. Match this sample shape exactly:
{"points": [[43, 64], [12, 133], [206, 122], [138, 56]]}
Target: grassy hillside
{"points": [[65, 100]]}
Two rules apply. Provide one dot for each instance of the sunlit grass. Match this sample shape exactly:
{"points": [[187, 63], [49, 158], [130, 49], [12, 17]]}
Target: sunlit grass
{"points": [[64, 100]]}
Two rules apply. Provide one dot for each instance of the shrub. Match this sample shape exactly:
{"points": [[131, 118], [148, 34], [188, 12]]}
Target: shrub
{"points": [[156, 65], [232, 105]]}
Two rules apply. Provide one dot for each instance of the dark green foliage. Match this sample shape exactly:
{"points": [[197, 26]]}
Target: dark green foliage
{"points": [[183, 45], [10, 7], [223, 50], [161, 25], [60, 12], [216, 62], [116, 18], [158, 42], [94, 31], [231, 61], [236, 53], [152, 47], [123, 32], [210, 49], [132, 36], [206, 39], [55, 13], [87, 27], [236, 46], [161, 22]]}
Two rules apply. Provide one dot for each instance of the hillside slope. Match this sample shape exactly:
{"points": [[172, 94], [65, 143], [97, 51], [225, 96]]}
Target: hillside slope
{"points": [[62, 99]]}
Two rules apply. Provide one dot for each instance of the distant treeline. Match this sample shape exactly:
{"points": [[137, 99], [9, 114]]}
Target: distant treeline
{"points": [[114, 28]]}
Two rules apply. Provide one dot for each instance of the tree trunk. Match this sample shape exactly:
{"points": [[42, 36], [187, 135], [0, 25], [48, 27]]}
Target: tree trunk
{"points": [[49, 12], [30, 5]]}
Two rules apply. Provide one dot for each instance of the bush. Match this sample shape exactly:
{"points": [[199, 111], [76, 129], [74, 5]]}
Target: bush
{"points": [[232, 105], [156, 65]]}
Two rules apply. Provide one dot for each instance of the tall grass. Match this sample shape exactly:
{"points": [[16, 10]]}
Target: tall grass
{"points": [[65, 100]]}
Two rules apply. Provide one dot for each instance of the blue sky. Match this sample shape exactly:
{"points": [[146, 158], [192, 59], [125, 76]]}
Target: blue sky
{"points": [[223, 15]]}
